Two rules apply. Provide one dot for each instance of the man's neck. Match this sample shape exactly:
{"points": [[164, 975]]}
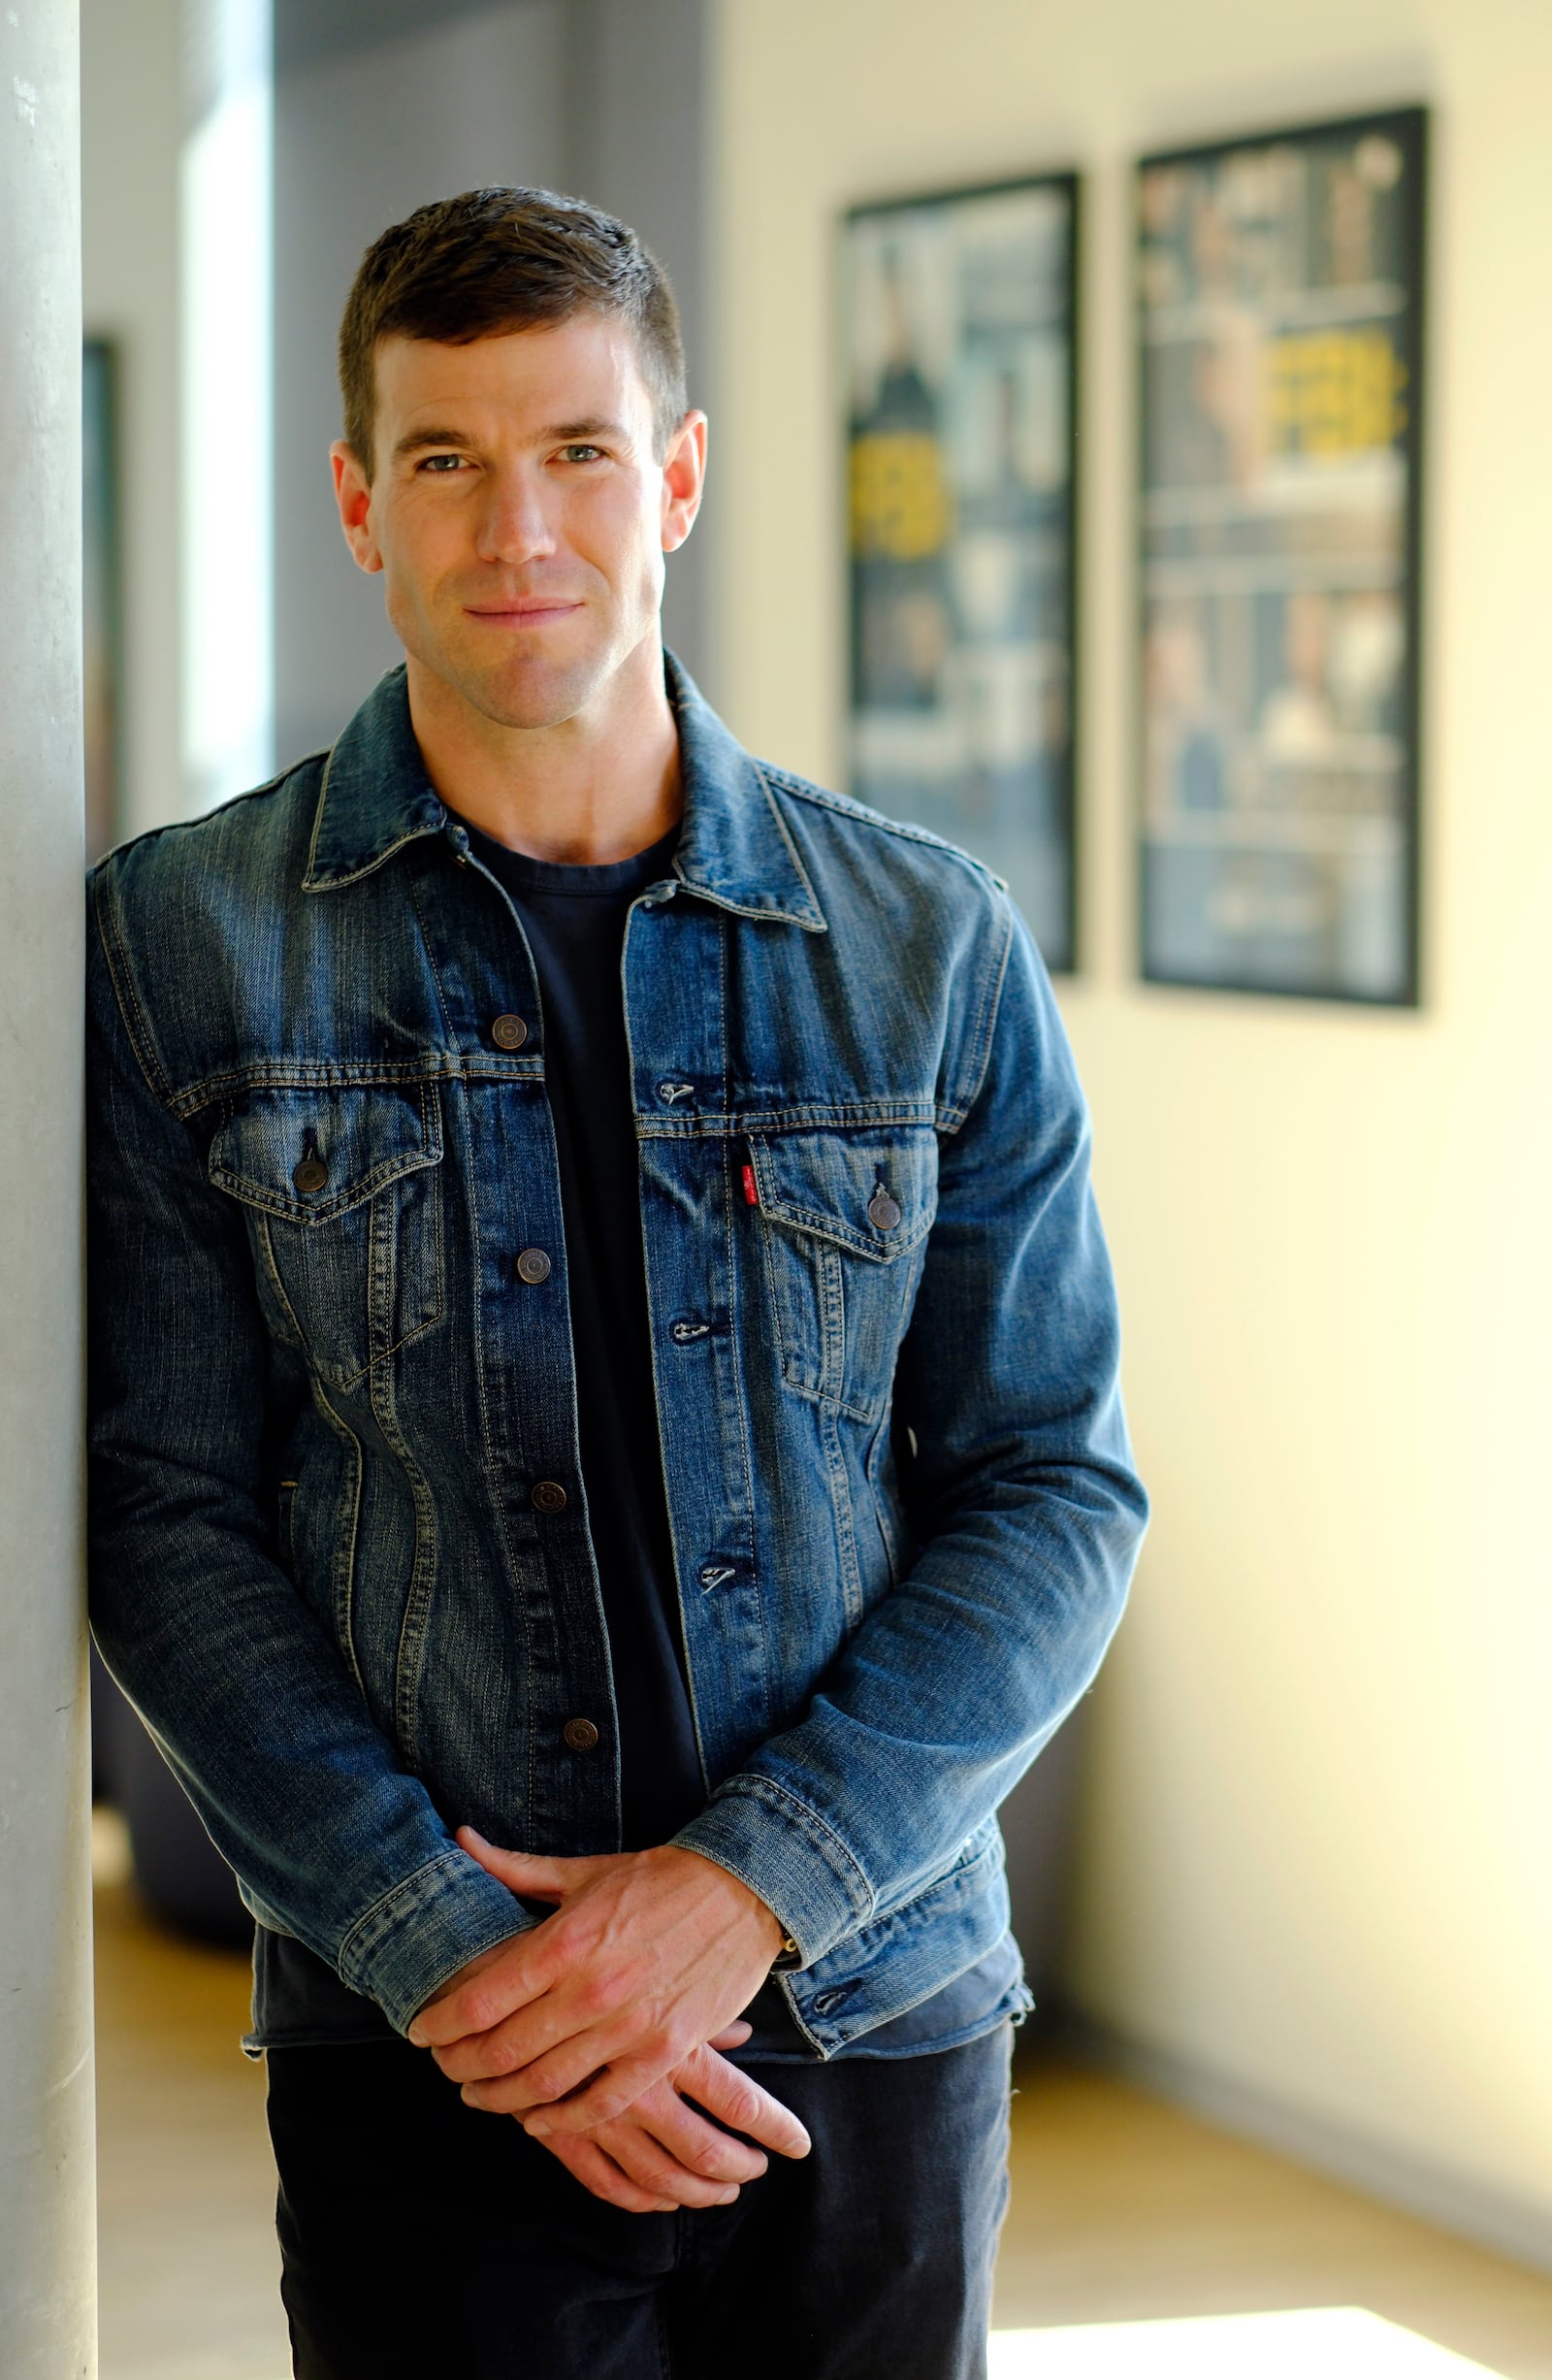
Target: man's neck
{"points": [[597, 788]]}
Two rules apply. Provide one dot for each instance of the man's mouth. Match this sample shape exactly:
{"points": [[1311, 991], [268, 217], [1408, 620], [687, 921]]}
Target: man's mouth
{"points": [[524, 611]]}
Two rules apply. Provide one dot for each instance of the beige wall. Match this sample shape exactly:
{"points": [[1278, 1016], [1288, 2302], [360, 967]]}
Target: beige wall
{"points": [[1321, 1832]]}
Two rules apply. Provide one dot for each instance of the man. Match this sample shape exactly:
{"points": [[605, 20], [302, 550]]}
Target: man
{"points": [[607, 1456]]}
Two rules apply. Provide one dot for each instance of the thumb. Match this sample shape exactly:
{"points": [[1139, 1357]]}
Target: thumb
{"points": [[529, 1873]]}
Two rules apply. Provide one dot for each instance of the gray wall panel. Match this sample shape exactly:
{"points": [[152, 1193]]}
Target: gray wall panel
{"points": [[380, 107], [361, 138]]}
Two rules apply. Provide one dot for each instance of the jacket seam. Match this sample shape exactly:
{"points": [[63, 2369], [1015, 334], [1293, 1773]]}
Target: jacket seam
{"points": [[735, 1294], [768, 789], [191, 826], [840, 805], [132, 1012], [786, 1803], [983, 1030], [407, 1888], [318, 818], [343, 1551]]}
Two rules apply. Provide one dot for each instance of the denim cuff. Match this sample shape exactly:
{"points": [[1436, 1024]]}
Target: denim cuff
{"points": [[785, 1851], [410, 1942]]}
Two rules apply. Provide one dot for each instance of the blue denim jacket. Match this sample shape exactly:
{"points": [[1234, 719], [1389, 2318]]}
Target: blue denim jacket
{"points": [[340, 1557]]}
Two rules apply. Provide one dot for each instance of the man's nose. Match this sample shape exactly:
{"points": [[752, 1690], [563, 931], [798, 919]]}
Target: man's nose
{"points": [[515, 522]]}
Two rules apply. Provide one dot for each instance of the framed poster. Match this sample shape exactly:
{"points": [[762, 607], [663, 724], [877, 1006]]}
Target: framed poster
{"points": [[1279, 324], [101, 676], [961, 363]]}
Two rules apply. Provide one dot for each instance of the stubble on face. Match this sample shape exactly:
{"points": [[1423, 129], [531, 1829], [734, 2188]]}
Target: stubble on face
{"points": [[521, 572]]}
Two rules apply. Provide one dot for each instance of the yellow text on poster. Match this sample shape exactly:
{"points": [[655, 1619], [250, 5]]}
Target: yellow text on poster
{"points": [[900, 507], [1332, 393]]}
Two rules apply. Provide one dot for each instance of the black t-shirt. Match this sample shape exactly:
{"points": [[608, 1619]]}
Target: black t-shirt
{"points": [[575, 920]]}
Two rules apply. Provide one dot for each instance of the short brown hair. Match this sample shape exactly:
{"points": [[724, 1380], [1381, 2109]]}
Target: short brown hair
{"points": [[499, 260]]}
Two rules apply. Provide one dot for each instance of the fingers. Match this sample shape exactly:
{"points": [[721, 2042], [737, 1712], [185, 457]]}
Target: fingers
{"points": [[731, 2037], [535, 1876], [518, 2041], [597, 2173], [509, 2069], [510, 1983], [612, 2089], [656, 2171], [699, 2147], [734, 2099]]}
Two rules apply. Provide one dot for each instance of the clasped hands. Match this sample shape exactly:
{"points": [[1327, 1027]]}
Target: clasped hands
{"points": [[597, 2028]]}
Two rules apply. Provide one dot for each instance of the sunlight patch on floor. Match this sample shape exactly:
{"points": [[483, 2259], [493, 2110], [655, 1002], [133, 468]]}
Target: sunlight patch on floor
{"points": [[1337, 2342]]}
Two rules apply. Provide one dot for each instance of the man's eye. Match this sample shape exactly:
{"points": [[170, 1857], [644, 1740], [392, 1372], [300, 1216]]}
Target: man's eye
{"points": [[442, 464], [582, 452]]}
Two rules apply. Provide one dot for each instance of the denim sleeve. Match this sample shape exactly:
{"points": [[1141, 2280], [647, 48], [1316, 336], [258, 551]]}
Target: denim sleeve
{"points": [[1026, 1512], [246, 1696]]}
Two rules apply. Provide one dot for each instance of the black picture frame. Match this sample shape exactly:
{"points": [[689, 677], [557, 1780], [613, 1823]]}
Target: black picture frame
{"points": [[102, 607], [1281, 294], [960, 338]]}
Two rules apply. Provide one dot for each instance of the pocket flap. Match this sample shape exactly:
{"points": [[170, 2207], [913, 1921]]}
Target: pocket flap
{"points": [[831, 1183], [348, 1144]]}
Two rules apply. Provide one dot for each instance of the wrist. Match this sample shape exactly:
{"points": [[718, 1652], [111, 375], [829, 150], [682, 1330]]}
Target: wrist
{"points": [[776, 1941]]}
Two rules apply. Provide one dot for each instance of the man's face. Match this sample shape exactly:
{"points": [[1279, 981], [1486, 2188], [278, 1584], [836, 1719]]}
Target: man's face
{"points": [[519, 511]]}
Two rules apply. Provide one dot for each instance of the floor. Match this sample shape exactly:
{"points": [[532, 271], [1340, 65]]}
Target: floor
{"points": [[1123, 2209]]}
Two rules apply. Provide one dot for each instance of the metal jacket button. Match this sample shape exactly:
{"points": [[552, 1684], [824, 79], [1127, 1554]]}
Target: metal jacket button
{"points": [[533, 1265], [310, 1175], [580, 1734], [548, 1497], [883, 1212], [508, 1033]]}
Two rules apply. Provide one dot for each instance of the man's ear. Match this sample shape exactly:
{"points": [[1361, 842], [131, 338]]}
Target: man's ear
{"points": [[352, 493], [684, 481]]}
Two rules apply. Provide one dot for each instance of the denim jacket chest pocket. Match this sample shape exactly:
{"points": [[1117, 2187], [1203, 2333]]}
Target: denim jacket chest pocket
{"points": [[845, 1218], [341, 1195]]}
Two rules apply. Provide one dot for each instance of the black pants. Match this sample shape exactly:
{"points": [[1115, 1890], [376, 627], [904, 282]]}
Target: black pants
{"points": [[421, 2240]]}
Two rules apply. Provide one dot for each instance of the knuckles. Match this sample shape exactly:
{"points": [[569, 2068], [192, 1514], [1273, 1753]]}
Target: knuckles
{"points": [[739, 2105], [596, 1995]]}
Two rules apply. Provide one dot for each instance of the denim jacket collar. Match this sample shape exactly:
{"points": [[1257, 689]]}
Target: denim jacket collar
{"points": [[733, 849]]}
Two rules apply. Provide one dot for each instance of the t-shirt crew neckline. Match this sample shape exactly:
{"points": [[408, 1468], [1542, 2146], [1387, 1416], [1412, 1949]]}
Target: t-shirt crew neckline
{"points": [[574, 878]]}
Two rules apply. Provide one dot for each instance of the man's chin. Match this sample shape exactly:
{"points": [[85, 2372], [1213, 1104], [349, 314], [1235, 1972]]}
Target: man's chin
{"points": [[539, 692]]}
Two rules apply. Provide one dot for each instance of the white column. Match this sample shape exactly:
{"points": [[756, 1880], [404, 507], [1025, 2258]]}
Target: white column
{"points": [[226, 366], [47, 2304]]}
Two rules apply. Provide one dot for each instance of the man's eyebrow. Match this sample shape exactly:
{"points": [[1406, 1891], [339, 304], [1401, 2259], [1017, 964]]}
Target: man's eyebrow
{"points": [[414, 441], [555, 432], [572, 433]]}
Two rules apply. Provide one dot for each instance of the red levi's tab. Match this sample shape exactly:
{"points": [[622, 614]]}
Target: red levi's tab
{"points": [[751, 1188]]}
